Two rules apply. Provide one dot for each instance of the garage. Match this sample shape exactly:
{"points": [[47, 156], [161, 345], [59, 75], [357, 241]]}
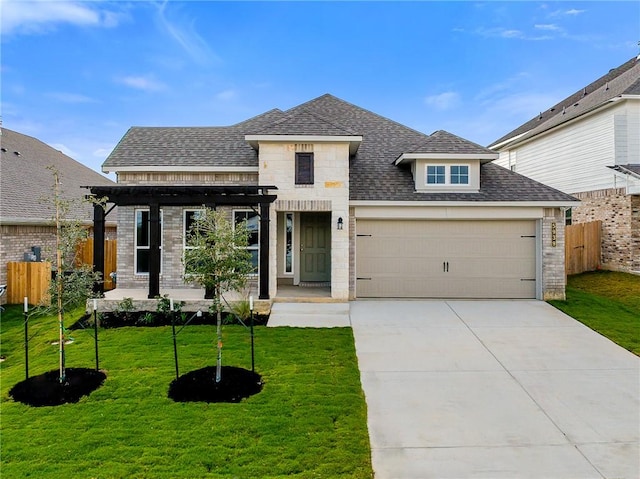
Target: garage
{"points": [[445, 259]]}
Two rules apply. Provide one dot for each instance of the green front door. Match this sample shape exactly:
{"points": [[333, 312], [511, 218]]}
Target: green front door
{"points": [[315, 247]]}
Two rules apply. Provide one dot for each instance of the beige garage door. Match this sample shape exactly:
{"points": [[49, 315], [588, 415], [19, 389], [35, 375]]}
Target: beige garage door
{"points": [[445, 259]]}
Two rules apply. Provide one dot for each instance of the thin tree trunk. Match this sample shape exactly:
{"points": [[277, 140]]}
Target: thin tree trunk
{"points": [[59, 281], [219, 335]]}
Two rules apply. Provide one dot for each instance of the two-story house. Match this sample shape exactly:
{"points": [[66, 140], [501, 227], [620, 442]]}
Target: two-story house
{"points": [[335, 194], [588, 145]]}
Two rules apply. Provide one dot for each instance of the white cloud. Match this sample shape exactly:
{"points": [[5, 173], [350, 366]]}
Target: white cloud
{"points": [[509, 33], [142, 83], [572, 12], [70, 97], [64, 149], [184, 33], [102, 152], [444, 101], [548, 26], [226, 95], [41, 16]]}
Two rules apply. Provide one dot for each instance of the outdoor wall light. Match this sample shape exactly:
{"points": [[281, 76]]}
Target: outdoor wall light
{"points": [[340, 223]]}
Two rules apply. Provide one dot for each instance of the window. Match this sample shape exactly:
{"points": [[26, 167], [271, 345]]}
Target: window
{"points": [[190, 217], [143, 241], [288, 243], [435, 174], [459, 175], [447, 175], [568, 220], [253, 227], [304, 168]]}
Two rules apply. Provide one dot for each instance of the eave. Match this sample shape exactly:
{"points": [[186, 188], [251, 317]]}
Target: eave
{"points": [[353, 140], [483, 157]]}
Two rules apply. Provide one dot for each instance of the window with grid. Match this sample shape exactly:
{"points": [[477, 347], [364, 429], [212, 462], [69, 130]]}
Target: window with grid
{"points": [[143, 242], [304, 169]]}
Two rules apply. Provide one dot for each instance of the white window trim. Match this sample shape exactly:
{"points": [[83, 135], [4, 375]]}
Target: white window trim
{"points": [[184, 235], [249, 248], [135, 242], [184, 226], [447, 176], [284, 256]]}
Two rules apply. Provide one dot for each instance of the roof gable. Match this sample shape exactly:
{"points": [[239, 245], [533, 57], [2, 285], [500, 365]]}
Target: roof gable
{"points": [[624, 80], [304, 122], [373, 176], [26, 182]]}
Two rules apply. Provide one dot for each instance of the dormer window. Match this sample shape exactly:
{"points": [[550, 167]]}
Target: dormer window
{"points": [[459, 174], [435, 174], [447, 175]]}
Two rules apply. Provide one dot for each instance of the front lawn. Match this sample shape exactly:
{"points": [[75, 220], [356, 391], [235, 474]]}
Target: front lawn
{"points": [[609, 303], [309, 420]]}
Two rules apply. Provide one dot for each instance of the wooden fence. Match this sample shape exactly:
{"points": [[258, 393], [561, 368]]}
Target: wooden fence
{"points": [[85, 256], [583, 243], [28, 279], [32, 279]]}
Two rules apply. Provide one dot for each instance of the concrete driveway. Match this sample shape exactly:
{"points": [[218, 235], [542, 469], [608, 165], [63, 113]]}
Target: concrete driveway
{"points": [[494, 389]]}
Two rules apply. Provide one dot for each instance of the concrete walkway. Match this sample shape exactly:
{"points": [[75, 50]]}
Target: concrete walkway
{"points": [[494, 389], [310, 315]]}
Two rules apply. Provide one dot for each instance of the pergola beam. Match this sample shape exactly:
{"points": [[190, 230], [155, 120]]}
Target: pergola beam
{"points": [[157, 196]]}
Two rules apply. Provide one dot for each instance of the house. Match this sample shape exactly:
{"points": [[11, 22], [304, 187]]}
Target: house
{"points": [[588, 145], [26, 197], [337, 195]]}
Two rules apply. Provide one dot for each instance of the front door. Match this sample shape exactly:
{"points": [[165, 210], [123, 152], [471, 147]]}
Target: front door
{"points": [[315, 247]]}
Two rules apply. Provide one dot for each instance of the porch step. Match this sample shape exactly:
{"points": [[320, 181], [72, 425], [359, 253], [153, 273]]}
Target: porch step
{"points": [[310, 315]]}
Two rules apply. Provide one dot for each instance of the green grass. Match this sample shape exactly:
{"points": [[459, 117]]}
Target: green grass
{"points": [[309, 421], [609, 303]]}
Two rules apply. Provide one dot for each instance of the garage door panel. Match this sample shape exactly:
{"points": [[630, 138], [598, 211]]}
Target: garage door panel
{"points": [[446, 259]]}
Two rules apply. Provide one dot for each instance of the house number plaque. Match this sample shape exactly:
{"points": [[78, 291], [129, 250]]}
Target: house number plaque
{"points": [[554, 233]]}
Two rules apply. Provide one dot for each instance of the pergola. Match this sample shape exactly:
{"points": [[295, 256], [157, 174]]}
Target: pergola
{"points": [[157, 196]]}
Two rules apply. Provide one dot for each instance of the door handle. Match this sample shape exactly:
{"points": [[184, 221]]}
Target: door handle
{"points": [[445, 266], [301, 247]]}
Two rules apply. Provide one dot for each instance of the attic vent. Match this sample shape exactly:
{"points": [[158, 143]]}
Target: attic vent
{"points": [[304, 148], [17, 153], [584, 92], [563, 110], [606, 86], [4, 149]]}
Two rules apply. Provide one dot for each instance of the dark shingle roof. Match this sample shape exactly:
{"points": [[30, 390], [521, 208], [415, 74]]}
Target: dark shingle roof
{"points": [[624, 80], [444, 142], [372, 172], [26, 183], [304, 122], [189, 146]]}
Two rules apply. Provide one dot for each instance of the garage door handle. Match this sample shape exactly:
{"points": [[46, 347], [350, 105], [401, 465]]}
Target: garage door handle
{"points": [[367, 279]]}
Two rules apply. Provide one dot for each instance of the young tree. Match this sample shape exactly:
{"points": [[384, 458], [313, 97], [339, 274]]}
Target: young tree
{"points": [[73, 282], [218, 260]]}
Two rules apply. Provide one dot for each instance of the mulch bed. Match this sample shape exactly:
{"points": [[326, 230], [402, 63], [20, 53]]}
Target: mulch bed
{"points": [[46, 389], [144, 319], [200, 385]]}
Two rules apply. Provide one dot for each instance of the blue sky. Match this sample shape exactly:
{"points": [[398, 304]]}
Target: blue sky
{"points": [[77, 75]]}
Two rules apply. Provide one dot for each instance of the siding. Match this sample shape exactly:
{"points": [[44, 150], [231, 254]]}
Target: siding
{"points": [[574, 158]]}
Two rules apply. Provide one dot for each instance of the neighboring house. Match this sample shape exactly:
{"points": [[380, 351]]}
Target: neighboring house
{"points": [[27, 211], [346, 197], [588, 145]]}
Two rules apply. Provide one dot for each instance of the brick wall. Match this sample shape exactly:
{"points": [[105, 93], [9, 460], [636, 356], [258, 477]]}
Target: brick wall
{"points": [[172, 269], [553, 266], [620, 216], [15, 240]]}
